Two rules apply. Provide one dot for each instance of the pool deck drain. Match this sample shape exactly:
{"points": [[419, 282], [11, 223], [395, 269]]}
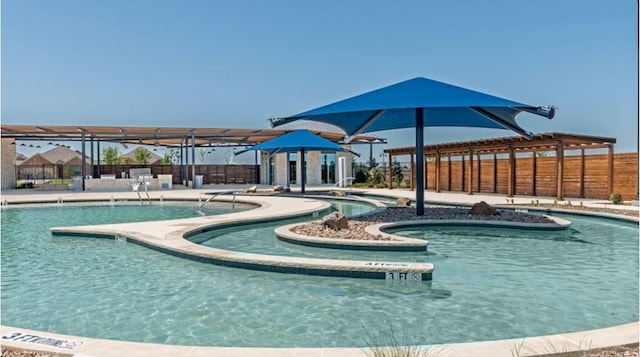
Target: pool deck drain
{"points": [[172, 234]]}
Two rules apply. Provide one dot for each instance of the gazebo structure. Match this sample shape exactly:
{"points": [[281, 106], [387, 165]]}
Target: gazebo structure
{"points": [[470, 172]]}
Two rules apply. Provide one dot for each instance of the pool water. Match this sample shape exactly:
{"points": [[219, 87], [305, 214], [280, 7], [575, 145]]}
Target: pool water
{"points": [[244, 240], [488, 284]]}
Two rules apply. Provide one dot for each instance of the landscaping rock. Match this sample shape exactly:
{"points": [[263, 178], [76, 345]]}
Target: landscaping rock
{"points": [[483, 209], [335, 221], [278, 188], [339, 193], [403, 201], [252, 189]]}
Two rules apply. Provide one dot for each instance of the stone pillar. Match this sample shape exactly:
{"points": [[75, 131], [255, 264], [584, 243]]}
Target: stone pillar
{"points": [[280, 166], [8, 168], [314, 170]]}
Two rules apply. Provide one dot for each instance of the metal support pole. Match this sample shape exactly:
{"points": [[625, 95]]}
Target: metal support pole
{"points": [[257, 167], [83, 169], [193, 160], [303, 170], [99, 167], [610, 172], [91, 153], [420, 163], [288, 170], [181, 170]]}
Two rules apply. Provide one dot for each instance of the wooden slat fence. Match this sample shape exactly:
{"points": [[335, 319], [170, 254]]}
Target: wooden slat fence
{"points": [[588, 179]]}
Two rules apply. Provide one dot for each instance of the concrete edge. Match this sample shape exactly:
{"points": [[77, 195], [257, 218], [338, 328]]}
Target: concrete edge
{"points": [[621, 335]]}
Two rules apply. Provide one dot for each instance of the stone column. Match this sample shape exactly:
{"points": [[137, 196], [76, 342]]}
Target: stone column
{"points": [[9, 154]]}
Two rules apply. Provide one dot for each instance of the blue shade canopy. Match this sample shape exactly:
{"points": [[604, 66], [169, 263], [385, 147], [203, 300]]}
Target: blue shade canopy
{"points": [[420, 102], [393, 107], [295, 141]]}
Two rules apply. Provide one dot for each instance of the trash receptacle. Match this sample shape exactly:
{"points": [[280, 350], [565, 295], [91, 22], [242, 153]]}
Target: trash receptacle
{"points": [[198, 181], [77, 183]]}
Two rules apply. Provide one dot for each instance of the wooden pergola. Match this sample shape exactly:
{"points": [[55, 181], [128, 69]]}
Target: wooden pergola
{"points": [[556, 142]]}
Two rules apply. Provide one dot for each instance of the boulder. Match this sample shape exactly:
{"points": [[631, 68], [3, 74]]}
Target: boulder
{"points": [[252, 189], [483, 209], [278, 188], [339, 193], [403, 201], [335, 221]]}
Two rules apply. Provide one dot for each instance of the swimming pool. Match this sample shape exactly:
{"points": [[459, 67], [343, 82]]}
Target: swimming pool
{"points": [[487, 285]]}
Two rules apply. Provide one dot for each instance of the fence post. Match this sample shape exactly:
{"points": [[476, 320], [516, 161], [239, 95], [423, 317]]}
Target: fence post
{"points": [[610, 170], [559, 170], [470, 188], [512, 172]]}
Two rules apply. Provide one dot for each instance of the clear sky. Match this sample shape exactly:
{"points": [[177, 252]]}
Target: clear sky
{"points": [[210, 63]]}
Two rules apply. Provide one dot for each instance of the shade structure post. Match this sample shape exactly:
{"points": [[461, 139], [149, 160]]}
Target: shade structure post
{"points": [[303, 168], [193, 160], [420, 163], [99, 165], [93, 173], [610, 171], [83, 169], [470, 184]]}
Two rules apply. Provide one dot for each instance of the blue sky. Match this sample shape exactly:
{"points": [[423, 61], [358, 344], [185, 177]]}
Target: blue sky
{"points": [[236, 63]]}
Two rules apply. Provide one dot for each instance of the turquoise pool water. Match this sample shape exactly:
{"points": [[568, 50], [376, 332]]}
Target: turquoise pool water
{"points": [[244, 240], [488, 284]]}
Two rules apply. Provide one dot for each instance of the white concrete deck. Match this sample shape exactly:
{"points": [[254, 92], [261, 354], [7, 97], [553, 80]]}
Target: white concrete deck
{"points": [[529, 346]]}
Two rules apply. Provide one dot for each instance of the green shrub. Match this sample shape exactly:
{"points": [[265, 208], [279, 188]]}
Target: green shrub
{"points": [[59, 181], [361, 176], [615, 198], [361, 184]]}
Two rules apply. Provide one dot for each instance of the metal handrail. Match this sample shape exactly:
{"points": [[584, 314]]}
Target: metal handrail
{"points": [[233, 204]]}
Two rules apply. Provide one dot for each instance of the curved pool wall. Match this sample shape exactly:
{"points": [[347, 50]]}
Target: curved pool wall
{"points": [[173, 243], [476, 347]]}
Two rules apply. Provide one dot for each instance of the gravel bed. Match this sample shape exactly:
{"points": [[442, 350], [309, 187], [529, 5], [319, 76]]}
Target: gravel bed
{"points": [[397, 214]]}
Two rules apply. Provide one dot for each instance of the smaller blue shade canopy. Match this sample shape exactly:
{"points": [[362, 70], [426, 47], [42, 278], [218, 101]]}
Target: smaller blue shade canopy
{"points": [[393, 107], [296, 141]]}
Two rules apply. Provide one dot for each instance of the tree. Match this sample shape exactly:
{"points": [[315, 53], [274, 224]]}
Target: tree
{"points": [[111, 155], [166, 159], [141, 156], [396, 172], [173, 154], [202, 153], [372, 163]]}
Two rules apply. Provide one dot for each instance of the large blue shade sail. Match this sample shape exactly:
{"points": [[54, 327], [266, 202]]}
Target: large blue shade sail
{"points": [[417, 103], [393, 107]]}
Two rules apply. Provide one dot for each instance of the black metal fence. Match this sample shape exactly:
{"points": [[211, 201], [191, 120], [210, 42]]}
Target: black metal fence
{"points": [[212, 174]]}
